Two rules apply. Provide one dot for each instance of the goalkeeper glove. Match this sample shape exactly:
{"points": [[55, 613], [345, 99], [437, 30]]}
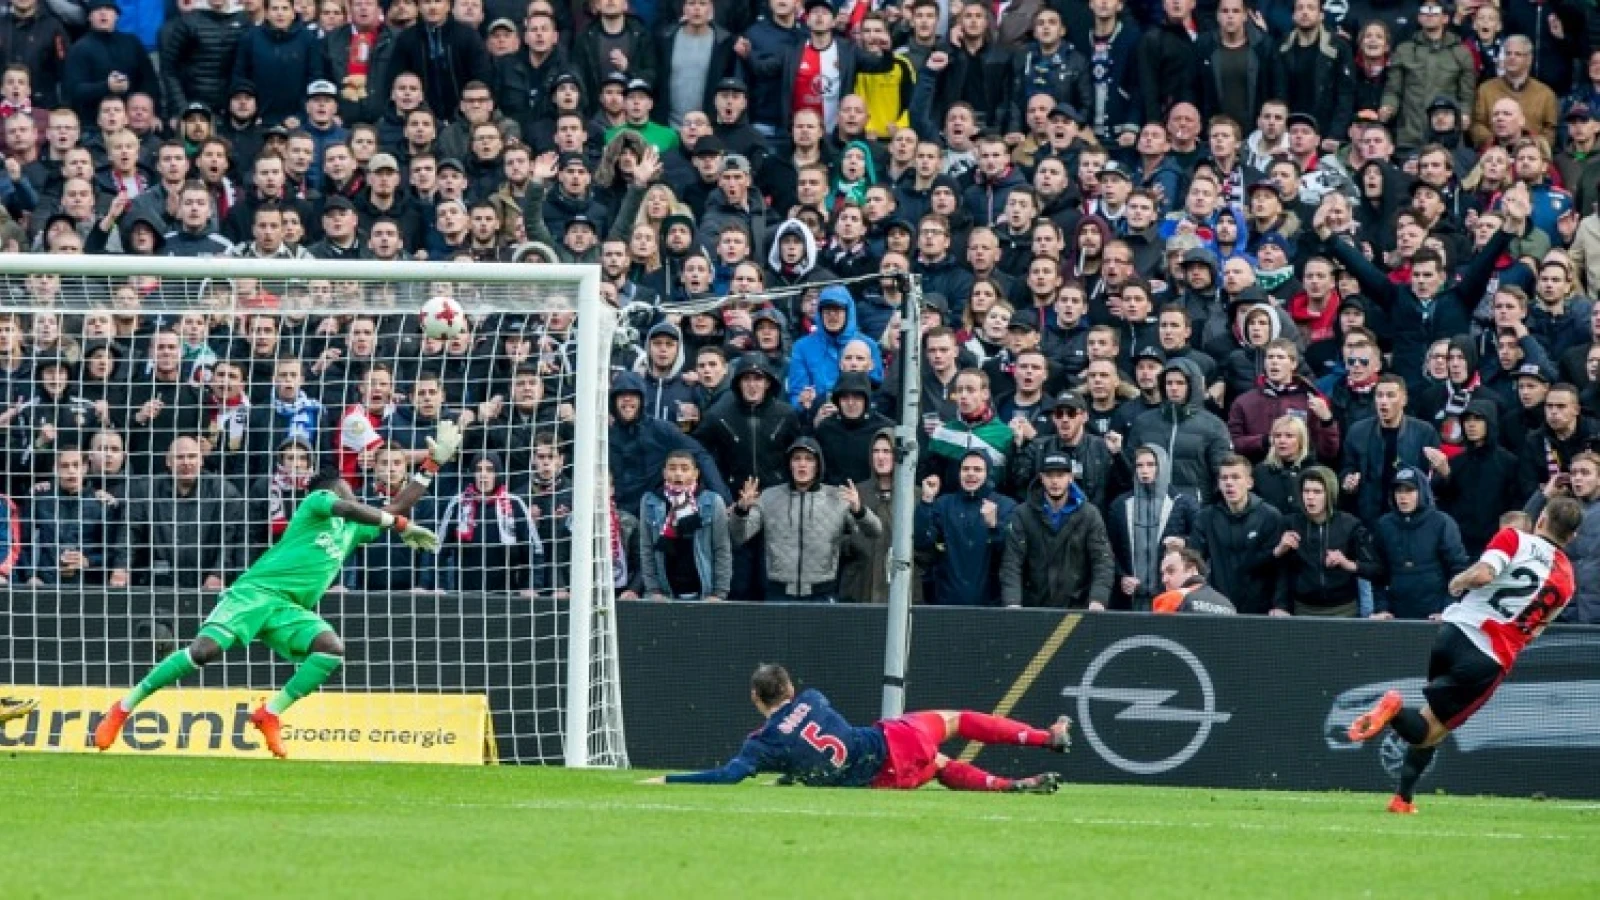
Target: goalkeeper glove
{"points": [[11, 708], [418, 538], [442, 447]]}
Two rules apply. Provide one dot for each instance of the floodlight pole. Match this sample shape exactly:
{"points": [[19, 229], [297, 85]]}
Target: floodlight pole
{"points": [[902, 570]]}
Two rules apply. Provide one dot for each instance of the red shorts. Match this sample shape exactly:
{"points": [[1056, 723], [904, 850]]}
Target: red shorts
{"points": [[913, 742]]}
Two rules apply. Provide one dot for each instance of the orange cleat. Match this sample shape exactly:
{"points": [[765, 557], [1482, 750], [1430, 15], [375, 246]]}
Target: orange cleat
{"points": [[110, 727], [268, 724], [1402, 806], [1371, 723]]}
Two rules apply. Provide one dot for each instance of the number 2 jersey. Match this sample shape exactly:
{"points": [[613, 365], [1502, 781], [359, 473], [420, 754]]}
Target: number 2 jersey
{"points": [[807, 740], [1532, 583]]}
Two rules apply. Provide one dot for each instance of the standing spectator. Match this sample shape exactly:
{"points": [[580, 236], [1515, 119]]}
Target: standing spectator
{"points": [[1550, 449], [1380, 446], [1421, 550], [1540, 109], [638, 445], [963, 531], [1481, 482], [614, 42], [814, 366], [695, 56], [764, 48], [1237, 535], [1237, 66], [1318, 81], [1431, 64], [1277, 478], [38, 41], [445, 54], [273, 497], [821, 71], [864, 571], [105, 62], [279, 58], [185, 528], [683, 543], [386, 563], [1324, 552], [1196, 441], [751, 428], [847, 428], [1144, 523], [1282, 391], [76, 538], [1169, 64], [1584, 549], [197, 51], [1094, 464], [974, 427], [356, 58], [805, 523], [1057, 553], [486, 537]]}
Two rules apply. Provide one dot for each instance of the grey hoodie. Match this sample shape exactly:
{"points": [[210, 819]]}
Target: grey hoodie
{"points": [[1195, 440], [804, 530]]}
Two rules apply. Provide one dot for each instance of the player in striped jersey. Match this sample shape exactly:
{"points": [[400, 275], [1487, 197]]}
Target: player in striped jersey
{"points": [[1517, 587]]}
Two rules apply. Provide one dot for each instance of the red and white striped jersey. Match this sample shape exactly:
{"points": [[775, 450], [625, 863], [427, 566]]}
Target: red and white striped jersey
{"points": [[1532, 583]]}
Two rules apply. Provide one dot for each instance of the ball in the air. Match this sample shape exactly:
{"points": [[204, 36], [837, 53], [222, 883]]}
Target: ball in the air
{"points": [[443, 319]]}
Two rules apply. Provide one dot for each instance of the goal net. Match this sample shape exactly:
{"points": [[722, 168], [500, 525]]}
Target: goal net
{"points": [[162, 418]]}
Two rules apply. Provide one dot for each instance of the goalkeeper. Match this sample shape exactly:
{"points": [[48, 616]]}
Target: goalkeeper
{"points": [[275, 599]]}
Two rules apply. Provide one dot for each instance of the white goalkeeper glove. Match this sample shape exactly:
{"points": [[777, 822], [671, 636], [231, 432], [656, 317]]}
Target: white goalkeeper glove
{"points": [[444, 444], [11, 708], [418, 538]]}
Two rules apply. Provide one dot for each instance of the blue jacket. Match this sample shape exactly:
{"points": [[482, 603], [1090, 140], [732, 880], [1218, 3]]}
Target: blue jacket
{"points": [[815, 361], [1364, 456], [638, 450], [1422, 552], [713, 549], [969, 551], [143, 20], [280, 64], [769, 44]]}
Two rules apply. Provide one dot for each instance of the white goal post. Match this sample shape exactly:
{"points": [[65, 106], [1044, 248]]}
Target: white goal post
{"points": [[552, 315]]}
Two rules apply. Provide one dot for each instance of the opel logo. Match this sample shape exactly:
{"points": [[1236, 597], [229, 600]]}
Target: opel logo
{"points": [[1146, 705]]}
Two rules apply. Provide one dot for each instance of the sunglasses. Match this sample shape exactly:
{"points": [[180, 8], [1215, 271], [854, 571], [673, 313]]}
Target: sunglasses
{"points": [[1358, 360], [1066, 413]]}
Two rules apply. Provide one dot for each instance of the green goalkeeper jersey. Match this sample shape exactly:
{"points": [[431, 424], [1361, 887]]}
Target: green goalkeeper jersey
{"points": [[305, 560]]}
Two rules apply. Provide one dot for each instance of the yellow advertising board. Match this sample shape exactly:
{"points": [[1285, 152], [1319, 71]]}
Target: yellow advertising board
{"points": [[413, 728]]}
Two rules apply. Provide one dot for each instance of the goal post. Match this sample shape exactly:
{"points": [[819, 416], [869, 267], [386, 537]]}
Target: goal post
{"points": [[531, 381]]}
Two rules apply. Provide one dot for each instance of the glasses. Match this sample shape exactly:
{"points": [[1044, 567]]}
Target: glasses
{"points": [[1358, 360], [1065, 413]]}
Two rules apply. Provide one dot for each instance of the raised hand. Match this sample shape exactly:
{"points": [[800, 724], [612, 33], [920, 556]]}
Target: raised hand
{"points": [[647, 169], [749, 494], [445, 443], [851, 497], [930, 489], [937, 60], [544, 168], [990, 512]]}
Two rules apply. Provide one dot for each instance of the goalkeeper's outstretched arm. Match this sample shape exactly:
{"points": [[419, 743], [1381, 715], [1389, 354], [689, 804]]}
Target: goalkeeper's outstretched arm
{"points": [[442, 448]]}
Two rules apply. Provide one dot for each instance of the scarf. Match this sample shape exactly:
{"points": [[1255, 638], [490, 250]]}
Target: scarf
{"points": [[505, 516], [1319, 326], [9, 109], [285, 488], [1451, 437], [1363, 386], [232, 416], [683, 513], [303, 414], [619, 557], [1270, 280], [1372, 67]]}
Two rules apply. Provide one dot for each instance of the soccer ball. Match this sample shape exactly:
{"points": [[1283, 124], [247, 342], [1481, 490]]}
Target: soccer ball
{"points": [[443, 319]]}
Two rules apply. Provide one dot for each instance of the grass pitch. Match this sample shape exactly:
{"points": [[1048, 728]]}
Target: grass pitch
{"points": [[81, 826]]}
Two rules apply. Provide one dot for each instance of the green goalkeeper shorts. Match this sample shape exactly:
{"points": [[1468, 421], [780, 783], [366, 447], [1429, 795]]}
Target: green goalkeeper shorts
{"points": [[245, 616]]}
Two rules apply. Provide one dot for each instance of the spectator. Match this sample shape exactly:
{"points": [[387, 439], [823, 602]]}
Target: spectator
{"points": [[1237, 534], [1277, 478], [974, 427], [963, 532], [1432, 63], [1283, 391], [445, 53], [1421, 550], [1057, 553], [1380, 446], [802, 512], [814, 367], [638, 445], [1094, 465], [684, 543], [185, 528], [486, 536], [847, 427], [864, 571], [105, 62], [1481, 482], [75, 537], [1143, 524], [1537, 101], [197, 50], [1550, 448], [279, 58], [1183, 574], [1324, 551], [1584, 485], [1195, 440]]}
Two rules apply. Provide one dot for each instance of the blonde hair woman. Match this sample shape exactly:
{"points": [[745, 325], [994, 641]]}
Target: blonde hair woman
{"points": [[1277, 478]]}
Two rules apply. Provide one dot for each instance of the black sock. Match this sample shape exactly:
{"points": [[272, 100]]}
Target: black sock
{"points": [[1416, 762], [1410, 725]]}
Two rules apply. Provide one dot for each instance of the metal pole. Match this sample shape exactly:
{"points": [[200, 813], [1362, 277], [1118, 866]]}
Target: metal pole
{"points": [[586, 507], [902, 571]]}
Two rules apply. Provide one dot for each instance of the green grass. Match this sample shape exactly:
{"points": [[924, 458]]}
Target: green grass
{"points": [[80, 826]]}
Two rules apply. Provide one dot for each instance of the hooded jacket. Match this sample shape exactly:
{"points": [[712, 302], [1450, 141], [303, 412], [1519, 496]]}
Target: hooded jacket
{"points": [[1307, 580], [848, 442], [280, 62], [1253, 412], [1238, 547], [1195, 439], [750, 441], [1139, 521], [1059, 559], [663, 393], [968, 550], [1483, 481], [815, 360], [1421, 551], [804, 529], [197, 58], [864, 571], [638, 450]]}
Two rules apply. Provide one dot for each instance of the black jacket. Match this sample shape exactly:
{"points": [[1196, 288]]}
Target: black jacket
{"points": [[723, 64], [197, 58], [847, 444], [592, 66], [1265, 74], [1169, 70], [1094, 466], [1329, 95], [1065, 75], [40, 43], [90, 63], [1484, 482], [1239, 549], [457, 57], [179, 541], [280, 62], [522, 89], [336, 64], [752, 441], [1305, 578], [1364, 452], [1066, 567]]}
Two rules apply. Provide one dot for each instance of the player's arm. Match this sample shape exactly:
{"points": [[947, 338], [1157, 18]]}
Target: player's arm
{"points": [[735, 770], [1476, 576], [442, 448], [1495, 558]]}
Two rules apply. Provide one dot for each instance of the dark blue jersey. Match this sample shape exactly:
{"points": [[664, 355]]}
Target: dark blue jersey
{"points": [[806, 739]]}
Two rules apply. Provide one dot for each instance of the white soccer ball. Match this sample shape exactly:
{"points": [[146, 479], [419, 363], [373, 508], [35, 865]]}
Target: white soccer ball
{"points": [[443, 319]]}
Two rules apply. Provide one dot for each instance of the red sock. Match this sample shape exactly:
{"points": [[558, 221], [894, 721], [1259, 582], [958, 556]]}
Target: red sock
{"points": [[987, 729], [959, 776]]}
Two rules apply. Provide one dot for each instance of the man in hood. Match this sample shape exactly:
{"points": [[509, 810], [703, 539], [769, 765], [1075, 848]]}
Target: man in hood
{"points": [[1420, 548], [1323, 552], [1057, 553], [638, 446], [1194, 438], [964, 532], [1143, 524], [814, 367], [805, 523], [668, 395], [1237, 535], [751, 428], [1480, 483], [845, 428]]}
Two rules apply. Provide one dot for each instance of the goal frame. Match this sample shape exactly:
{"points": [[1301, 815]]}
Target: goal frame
{"points": [[592, 385]]}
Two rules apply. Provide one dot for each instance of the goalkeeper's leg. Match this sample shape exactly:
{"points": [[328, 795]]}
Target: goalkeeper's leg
{"points": [[206, 649], [321, 653]]}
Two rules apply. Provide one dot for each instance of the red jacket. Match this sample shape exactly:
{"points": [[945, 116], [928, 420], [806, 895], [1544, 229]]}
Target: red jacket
{"points": [[1250, 420]]}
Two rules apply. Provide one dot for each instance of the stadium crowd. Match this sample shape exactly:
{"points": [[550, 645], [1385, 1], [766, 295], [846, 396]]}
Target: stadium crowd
{"points": [[1276, 308]]}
